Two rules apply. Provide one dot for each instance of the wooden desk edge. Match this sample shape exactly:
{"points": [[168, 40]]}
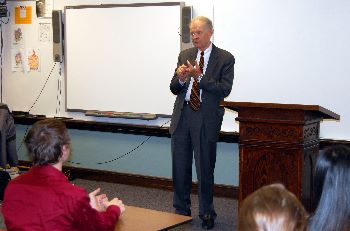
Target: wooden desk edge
{"points": [[151, 214]]}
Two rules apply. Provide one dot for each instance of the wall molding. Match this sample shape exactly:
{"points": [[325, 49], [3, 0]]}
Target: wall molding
{"points": [[220, 190], [134, 129], [227, 137]]}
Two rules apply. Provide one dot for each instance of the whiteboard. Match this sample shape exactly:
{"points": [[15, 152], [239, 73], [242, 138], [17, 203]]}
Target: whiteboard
{"points": [[121, 57]]}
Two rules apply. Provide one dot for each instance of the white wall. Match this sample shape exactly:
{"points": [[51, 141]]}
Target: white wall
{"points": [[286, 52], [290, 52]]}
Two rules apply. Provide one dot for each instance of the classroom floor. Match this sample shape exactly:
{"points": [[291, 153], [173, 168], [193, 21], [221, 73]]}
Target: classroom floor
{"points": [[161, 200]]}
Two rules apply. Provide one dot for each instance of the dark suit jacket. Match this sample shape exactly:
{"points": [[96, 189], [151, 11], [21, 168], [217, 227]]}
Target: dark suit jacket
{"points": [[216, 84]]}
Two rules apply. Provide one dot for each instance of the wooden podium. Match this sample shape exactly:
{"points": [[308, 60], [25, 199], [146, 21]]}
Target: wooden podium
{"points": [[278, 143]]}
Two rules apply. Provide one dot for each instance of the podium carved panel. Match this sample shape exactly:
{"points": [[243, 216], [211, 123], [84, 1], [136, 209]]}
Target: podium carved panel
{"points": [[264, 165], [270, 132]]}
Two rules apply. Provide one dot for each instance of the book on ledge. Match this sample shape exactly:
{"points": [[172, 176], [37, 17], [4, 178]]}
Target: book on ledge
{"points": [[125, 115]]}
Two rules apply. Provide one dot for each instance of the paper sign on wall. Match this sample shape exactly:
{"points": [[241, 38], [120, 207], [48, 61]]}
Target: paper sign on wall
{"points": [[23, 15]]}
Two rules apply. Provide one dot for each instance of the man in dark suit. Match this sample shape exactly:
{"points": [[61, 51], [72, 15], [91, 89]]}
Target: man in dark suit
{"points": [[197, 117]]}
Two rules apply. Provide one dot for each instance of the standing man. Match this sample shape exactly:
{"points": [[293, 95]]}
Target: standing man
{"points": [[203, 78]]}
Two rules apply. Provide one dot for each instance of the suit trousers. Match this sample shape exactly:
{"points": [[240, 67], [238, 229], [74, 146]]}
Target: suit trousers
{"points": [[189, 140]]}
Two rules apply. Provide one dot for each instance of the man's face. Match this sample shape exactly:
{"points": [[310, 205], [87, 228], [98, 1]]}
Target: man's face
{"points": [[200, 34]]}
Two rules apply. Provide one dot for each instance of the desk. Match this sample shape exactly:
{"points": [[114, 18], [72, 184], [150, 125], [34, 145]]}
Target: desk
{"points": [[135, 219]]}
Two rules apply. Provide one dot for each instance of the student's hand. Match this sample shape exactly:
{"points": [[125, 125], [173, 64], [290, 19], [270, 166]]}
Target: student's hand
{"points": [[117, 202], [98, 202]]}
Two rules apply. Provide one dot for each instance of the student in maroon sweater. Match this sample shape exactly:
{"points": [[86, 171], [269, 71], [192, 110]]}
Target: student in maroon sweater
{"points": [[44, 199]]}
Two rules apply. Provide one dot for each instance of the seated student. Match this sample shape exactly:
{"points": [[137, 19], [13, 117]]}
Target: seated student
{"points": [[332, 173], [323, 162], [8, 152], [44, 199], [272, 208]]}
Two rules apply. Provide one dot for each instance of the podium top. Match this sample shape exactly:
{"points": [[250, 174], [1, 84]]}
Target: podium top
{"points": [[325, 113]]}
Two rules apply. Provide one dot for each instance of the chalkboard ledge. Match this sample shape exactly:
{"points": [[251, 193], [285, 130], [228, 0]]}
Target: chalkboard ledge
{"points": [[126, 115], [227, 137]]}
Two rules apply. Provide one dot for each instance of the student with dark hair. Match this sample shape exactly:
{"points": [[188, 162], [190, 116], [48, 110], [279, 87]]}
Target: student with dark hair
{"points": [[272, 208], [323, 163], [332, 178], [44, 199]]}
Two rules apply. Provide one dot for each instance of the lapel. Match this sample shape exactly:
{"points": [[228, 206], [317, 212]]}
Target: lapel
{"points": [[213, 59], [193, 55]]}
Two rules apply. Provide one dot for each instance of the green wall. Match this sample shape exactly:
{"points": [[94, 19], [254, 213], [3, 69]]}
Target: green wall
{"points": [[152, 158]]}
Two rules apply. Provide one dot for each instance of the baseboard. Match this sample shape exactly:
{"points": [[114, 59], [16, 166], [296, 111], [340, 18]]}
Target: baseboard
{"points": [[220, 190]]}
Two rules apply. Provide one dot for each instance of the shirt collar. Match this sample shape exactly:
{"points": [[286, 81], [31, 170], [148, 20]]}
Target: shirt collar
{"points": [[48, 170], [207, 51]]}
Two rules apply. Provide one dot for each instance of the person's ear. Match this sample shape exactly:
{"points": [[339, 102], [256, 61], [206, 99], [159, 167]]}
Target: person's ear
{"points": [[65, 152]]}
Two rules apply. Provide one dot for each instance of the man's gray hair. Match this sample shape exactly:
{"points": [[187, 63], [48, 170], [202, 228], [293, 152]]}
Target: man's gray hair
{"points": [[206, 20]]}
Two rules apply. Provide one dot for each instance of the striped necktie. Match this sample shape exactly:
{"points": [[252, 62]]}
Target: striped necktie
{"points": [[194, 97]]}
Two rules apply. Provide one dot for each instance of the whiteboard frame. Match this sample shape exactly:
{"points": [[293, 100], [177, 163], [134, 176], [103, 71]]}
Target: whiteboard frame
{"points": [[160, 101]]}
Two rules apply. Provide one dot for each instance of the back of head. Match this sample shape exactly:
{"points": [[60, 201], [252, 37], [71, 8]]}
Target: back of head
{"points": [[332, 172], [323, 162], [45, 140], [272, 208]]}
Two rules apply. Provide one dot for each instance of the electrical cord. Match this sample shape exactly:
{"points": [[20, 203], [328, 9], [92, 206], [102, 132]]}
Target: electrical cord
{"points": [[127, 153], [36, 100]]}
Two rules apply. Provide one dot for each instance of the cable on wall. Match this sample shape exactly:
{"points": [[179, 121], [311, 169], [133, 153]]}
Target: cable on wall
{"points": [[36, 100], [127, 153]]}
